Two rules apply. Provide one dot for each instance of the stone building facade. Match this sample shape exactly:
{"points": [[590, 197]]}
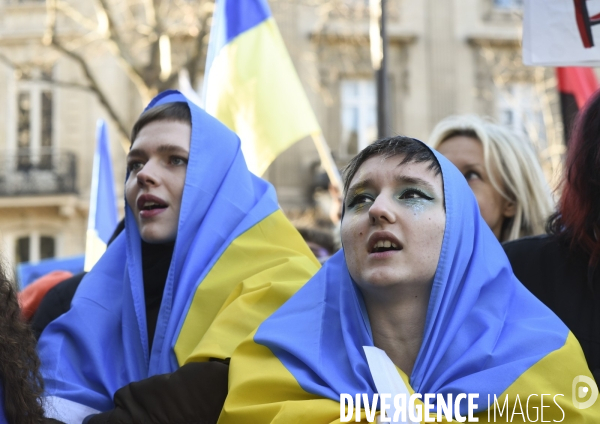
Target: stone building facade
{"points": [[445, 57]]}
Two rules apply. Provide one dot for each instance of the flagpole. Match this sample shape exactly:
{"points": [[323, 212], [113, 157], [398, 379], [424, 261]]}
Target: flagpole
{"points": [[327, 160], [379, 42], [382, 82]]}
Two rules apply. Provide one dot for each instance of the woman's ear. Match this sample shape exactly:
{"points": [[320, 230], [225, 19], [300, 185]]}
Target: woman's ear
{"points": [[509, 209]]}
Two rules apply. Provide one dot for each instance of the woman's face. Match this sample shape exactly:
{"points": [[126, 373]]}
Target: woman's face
{"points": [[157, 165], [466, 153], [393, 223]]}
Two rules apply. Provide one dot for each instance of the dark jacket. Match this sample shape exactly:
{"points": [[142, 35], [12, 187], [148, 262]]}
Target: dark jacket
{"points": [[562, 279], [55, 303], [195, 393]]}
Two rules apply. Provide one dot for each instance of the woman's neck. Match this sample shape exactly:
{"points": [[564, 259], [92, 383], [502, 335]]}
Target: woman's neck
{"points": [[397, 317]]}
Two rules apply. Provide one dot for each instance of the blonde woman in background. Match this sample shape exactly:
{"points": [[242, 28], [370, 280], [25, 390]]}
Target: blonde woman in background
{"points": [[501, 169]]}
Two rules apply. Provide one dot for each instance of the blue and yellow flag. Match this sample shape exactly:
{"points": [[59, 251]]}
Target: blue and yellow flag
{"points": [[485, 334], [236, 259], [251, 84], [102, 218]]}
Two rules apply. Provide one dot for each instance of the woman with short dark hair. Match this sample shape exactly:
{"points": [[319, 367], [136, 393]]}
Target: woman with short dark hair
{"points": [[421, 299]]}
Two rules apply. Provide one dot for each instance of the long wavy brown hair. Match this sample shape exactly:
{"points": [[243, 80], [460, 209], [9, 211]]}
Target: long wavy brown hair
{"points": [[578, 217], [19, 363]]}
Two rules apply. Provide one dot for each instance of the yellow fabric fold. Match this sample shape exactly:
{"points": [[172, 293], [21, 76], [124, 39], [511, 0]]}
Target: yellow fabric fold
{"points": [[262, 390], [257, 273]]}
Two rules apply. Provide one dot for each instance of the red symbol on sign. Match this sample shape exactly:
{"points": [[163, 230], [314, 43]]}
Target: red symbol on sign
{"points": [[585, 22]]}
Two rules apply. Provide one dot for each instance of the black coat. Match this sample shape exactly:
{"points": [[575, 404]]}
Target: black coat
{"points": [[55, 303], [562, 279]]}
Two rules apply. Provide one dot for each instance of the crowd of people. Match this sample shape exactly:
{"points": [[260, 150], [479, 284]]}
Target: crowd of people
{"points": [[457, 275]]}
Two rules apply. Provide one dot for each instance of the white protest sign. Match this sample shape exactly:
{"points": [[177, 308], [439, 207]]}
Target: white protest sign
{"points": [[561, 33]]}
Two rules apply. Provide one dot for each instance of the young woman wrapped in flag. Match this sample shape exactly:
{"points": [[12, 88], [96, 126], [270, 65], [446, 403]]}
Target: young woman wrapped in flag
{"points": [[205, 257], [421, 300]]}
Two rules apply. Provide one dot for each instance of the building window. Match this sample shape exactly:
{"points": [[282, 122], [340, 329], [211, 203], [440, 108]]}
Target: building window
{"points": [[33, 248], [46, 130], [519, 108], [47, 247], [22, 251], [23, 130], [508, 4], [34, 122], [359, 115]]}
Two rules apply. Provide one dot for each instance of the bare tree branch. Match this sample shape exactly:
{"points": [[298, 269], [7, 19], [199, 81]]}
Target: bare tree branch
{"points": [[132, 38], [122, 53], [193, 62], [150, 13], [76, 16], [52, 81], [9, 62], [198, 51], [153, 67], [95, 87], [67, 84], [50, 39]]}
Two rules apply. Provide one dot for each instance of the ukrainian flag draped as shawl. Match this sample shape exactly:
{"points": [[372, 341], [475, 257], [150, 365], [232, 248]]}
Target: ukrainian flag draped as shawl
{"points": [[484, 333], [236, 259]]}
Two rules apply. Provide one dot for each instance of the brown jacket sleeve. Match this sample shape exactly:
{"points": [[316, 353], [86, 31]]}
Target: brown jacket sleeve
{"points": [[195, 393]]}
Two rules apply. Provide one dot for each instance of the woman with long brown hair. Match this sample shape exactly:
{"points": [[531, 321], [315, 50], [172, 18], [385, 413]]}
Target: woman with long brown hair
{"points": [[20, 382], [561, 268]]}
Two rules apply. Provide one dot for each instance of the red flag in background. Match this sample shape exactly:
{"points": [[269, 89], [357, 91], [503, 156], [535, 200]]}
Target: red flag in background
{"points": [[575, 86]]}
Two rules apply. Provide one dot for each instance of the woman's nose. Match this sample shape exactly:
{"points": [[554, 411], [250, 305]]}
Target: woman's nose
{"points": [[381, 211], [147, 175]]}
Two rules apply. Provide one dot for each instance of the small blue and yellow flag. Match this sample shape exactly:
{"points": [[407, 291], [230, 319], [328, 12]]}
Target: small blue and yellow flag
{"points": [[102, 218], [251, 84]]}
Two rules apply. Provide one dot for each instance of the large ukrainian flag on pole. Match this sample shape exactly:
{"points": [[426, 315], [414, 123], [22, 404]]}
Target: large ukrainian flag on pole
{"points": [[102, 218], [251, 84]]}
